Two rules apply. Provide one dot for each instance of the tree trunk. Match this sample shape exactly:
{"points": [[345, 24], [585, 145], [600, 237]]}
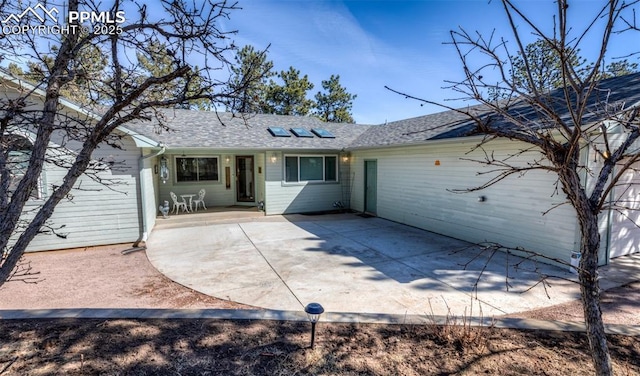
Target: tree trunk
{"points": [[590, 290], [44, 213], [587, 213], [45, 128]]}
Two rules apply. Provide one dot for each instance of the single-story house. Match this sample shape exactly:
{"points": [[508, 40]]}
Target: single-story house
{"points": [[407, 171]]}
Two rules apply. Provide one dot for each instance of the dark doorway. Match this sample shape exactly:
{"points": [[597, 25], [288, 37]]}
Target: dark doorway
{"points": [[245, 181]]}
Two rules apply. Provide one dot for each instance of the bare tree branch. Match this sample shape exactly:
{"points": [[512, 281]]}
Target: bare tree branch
{"points": [[104, 73], [563, 125]]}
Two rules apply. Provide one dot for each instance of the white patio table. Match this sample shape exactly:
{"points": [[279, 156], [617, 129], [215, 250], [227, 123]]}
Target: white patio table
{"points": [[190, 197]]}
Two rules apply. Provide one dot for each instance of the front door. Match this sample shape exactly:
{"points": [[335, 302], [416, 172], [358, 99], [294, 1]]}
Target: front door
{"points": [[370, 187], [245, 183]]}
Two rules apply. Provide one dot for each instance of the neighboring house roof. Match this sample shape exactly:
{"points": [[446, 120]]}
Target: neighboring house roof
{"points": [[223, 130], [614, 92]]}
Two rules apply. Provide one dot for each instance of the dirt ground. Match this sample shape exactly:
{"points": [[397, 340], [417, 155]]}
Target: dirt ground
{"points": [[99, 277], [102, 277]]}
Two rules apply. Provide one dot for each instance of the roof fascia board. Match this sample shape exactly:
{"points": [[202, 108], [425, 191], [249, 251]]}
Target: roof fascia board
{"points": [[177, 149], [454, 140], [141, 141]]}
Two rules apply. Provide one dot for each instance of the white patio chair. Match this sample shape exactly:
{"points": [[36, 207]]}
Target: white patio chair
{"points": [[178, 204], [200, 200]]}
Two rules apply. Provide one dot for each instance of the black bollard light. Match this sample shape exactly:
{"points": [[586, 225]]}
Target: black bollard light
{"points": [[313, 310]]}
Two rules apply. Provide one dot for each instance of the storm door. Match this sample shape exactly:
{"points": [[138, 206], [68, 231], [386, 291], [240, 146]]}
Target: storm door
{"points": [[245, 180]]}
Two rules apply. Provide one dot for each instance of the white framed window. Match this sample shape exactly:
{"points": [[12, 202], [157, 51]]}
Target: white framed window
{"points": [[310, 168], [197, 168]]}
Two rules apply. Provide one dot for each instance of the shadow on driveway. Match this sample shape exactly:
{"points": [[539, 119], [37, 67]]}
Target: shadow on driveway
{"points": [[352, 264]]}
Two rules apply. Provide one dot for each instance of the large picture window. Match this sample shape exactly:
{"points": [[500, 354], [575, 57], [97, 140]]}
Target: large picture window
{"points": [[318, 168], [197, 169]]}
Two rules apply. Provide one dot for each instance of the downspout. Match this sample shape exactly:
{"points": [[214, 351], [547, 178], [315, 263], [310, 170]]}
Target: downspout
{"points": [[141, 190]]}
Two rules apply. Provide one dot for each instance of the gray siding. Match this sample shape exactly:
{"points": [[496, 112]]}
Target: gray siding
{"points": [[96, 214], [260, 176], [285, 198], [217, 193], [413, 190]]}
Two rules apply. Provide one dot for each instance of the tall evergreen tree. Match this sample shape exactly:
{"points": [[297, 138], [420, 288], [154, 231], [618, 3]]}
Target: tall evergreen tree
{"points": [[290, 98], [88, 73], [334, 105], [539, 69], [158, 60], [619, 68], [249, 82]]}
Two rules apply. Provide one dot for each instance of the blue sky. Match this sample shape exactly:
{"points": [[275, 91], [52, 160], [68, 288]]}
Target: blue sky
{"points": [[371, 44]]}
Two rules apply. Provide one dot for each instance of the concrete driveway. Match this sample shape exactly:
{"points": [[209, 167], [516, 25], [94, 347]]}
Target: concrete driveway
{"points": [[351, 264]]}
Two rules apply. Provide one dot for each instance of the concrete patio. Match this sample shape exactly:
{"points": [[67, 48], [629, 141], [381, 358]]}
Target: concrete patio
{"points": [[353, 264]]}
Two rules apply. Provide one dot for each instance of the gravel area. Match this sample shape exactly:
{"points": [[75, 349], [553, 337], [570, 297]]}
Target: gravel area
{"points": [[99, 277]]}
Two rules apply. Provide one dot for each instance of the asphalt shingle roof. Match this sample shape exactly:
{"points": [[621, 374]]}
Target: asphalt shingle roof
{"points": [[203, 129], [617, 91], [412, 131]]}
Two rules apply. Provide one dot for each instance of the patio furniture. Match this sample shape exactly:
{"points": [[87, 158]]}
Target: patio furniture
{"points": [[188, 196], [200, 200], [178, 204]]}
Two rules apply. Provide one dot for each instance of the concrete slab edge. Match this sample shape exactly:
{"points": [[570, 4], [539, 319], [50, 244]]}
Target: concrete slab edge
{"points": [[334, 317]]}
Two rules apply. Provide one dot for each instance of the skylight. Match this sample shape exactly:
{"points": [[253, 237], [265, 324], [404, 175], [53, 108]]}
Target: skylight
{"points": [[322, 133], [278, 132], [301, 132]]}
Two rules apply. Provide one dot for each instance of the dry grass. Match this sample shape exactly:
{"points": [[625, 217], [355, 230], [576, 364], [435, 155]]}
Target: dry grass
{"points": [[464, 332], [224, 347]]}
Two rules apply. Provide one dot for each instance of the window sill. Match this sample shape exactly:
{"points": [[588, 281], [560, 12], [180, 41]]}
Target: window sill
{"points": [[196, 182], [303, 183]]}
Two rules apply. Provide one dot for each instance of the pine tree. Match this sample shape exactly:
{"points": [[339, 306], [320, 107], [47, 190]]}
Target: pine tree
{"points": [[290, 98], [250, 74], [334, 105]]}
